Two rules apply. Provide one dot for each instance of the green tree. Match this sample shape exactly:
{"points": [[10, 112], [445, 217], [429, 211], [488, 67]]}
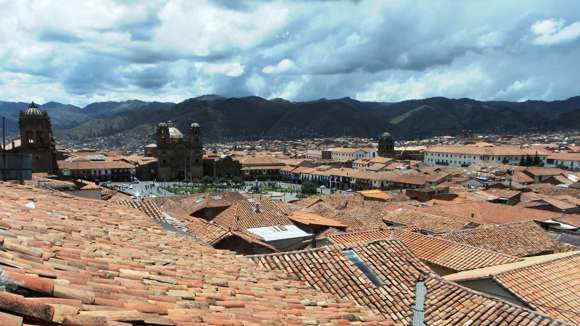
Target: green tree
{"points": [[308, 188], [207, 180], [537, 161]]}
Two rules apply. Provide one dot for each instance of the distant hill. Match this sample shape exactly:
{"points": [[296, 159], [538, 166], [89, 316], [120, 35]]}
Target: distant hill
{"points": [[254, 117]]}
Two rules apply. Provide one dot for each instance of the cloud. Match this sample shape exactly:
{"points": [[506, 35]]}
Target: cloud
{"points": [[170, 50], [283, 66], [551, 31]]}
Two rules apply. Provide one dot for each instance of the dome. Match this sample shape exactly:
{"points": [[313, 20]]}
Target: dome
{"points": [[174, 133], [33, 111], [386, 135], [195, 125]]}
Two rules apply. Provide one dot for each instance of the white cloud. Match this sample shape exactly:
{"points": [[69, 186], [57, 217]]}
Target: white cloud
{"points": [[453, 83], [229, 69], [285, 65], [80, 51], [551, 31]]}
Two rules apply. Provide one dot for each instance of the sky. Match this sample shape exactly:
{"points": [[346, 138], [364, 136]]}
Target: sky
{"points": [[97, 50]]}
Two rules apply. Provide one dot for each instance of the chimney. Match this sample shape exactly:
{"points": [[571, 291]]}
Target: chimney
{"points": [[257, 208]]}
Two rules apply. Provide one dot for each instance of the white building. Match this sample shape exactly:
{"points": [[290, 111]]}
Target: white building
{"points": [[473, 154], [351, 154], [570, 161]]}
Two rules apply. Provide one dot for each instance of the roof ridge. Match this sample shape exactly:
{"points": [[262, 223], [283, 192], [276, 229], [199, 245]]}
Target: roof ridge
{"points": [[326, 248], [548, 262], [489, 226]]}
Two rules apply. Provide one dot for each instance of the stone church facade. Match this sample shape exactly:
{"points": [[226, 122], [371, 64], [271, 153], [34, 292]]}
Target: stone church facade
{"points": [[179, 157], [36, 139]]}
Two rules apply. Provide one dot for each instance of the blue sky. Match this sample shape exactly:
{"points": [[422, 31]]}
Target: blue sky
{"points": [[84, 51]]}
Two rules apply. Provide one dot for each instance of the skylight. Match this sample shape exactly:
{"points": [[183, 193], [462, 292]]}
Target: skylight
{"points": [[355, 259]]}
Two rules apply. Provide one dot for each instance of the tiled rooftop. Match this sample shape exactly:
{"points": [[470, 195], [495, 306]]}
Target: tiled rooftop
{"points": [[244, 215], [352, 211], [517, 239], [331, 270], [420, 220], [552, 288], [445, 253], [84, 262], [482, 212]]}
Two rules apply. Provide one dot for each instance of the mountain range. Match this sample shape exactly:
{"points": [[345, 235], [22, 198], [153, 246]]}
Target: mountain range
{"points": [[252, 117]]}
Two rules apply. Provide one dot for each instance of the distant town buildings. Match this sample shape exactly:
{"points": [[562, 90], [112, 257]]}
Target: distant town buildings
{"points": [[483, 153]]}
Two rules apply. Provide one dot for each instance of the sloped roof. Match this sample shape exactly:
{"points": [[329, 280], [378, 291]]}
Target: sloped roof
{"points": [[351, 211], [375, 194], [552, 288], [516, 239], [449, 254], [86, 262], [361, 236], [243, 215], [422, 220], [483, 212], [314, 219], [328, 270]]}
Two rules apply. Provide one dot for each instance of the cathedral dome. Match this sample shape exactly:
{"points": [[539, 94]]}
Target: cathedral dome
{"points": [[195, 125], [33, 111], [174, 133], [386, 135]]}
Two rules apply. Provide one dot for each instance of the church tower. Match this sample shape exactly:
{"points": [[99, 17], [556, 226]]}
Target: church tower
{"points": [[36, 139], [386, 146], [196, 151]]}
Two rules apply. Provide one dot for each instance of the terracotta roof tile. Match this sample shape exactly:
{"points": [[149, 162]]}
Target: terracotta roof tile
{"points": [[86, 262], [517, 239], [314, 219], [329, 270], [482, 212], [448, 254], [552, 287], [421, 220]]}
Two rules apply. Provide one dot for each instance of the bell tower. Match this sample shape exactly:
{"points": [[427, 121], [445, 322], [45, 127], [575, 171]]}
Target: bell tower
{"points": [[196, 151], [386, 145], [36, 139]]}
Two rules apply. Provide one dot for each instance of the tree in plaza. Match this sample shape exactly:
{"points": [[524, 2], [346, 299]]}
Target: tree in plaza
{"points": [[207, 180], [308, 188]]}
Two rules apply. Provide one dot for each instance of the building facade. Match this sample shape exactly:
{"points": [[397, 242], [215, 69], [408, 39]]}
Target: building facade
{"points": [[221, 167], [349, 154], [179, 157], [100, 171], [472, 154]]}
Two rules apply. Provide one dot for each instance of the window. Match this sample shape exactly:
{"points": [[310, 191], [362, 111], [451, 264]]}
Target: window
{"points": [[357, 261]]}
